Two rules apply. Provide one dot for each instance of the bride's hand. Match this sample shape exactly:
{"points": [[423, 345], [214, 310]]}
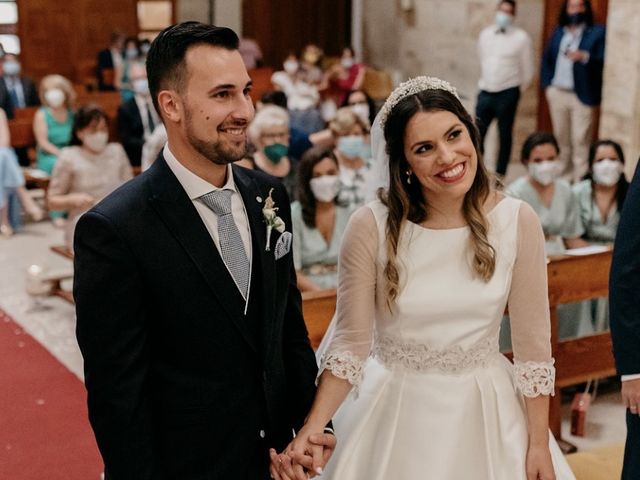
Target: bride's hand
{"points": [[305, 457], [539, 464]]}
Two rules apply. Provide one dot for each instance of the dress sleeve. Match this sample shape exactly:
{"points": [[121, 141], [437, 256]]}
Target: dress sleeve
{"points": [[534, 372], [62, 176], [355, 310]]}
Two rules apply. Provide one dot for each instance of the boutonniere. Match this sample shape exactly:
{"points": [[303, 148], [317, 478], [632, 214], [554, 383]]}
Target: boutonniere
{"points": [[269, 212]]}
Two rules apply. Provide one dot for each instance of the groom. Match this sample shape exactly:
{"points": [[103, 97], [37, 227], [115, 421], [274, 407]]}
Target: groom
{"points": [[188, 317]]}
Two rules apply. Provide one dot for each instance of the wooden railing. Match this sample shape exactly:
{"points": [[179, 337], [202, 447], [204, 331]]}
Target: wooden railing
{"points": [[571, 279]]}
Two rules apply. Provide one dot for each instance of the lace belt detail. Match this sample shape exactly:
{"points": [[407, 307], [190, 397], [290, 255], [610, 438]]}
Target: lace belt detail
{"points": [[419, 357]]}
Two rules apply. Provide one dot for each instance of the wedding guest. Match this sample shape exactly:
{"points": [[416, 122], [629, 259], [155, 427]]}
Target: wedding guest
{"points": [[12, 180], [302, 95], [250, 52], [601, 195], [362, 104], [269, 134], [152, 147], [88, 170], [425, 275], [123, 80], [53, 122], [344, 76], [506, 63], [571, 76], [16, 90], [624, 284], [108, 60], [353, 151], [549, 195], [318, 220]]}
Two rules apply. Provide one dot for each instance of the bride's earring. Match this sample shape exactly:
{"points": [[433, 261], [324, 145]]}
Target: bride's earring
{"points": [[408, 172]]}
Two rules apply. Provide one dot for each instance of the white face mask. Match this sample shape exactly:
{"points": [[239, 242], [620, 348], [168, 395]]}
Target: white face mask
{"points": [[347, 62], [362, 110], [11, 68], [96, 142], [140, 86], [503, 20], [290, 66], [54, 97], [607, 172], [325, 188], [545, 172]]}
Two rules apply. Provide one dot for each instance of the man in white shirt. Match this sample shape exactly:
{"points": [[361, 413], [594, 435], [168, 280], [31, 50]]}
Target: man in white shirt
{"points": [[506, 61]]}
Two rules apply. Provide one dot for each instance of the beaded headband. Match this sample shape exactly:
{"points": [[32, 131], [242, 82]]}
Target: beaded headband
{"points": [[410, 87]]}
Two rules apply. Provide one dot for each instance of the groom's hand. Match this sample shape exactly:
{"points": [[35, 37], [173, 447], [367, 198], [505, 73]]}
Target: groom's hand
{"points": [[318, 459]]}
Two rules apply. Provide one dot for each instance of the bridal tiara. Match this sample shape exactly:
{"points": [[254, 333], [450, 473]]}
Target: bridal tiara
{"points": [[413, 86]]}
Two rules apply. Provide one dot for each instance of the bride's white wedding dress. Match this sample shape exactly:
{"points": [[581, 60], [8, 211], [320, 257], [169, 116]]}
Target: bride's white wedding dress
{"points": [[433, 397]]}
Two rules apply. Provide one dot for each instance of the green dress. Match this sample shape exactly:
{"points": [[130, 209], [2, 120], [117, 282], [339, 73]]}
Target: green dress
{"points": [[58, 133], [597, 232], [311, 253]]}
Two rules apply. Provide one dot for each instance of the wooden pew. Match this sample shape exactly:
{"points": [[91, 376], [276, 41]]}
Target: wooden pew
{"points": [[318, 309], [571, 279], [26, 113], [21, 133]]}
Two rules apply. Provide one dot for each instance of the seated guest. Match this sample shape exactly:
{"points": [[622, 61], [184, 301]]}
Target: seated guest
{"points": [[302, 96], [362, 104], [353, 151], [268, 132], [53, 121], [318, 220], [122, 75], [108, 60], [344, 76], [12, 180], [88, 170], [549, 195], [137, 117], [16, 90], [601, 194], [152, 147]]}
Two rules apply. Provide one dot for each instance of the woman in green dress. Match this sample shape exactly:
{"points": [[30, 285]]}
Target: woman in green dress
{"points": [[318, 220]]}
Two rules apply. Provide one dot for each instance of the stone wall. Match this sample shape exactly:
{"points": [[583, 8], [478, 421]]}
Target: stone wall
{"points": [[620, 112], [226, 13]]}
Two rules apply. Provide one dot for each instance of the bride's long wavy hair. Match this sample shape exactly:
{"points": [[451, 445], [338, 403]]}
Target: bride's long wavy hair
{"points": [[407, 202]]}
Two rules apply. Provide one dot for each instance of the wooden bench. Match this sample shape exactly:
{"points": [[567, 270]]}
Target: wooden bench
{"points": [[571, 279]]}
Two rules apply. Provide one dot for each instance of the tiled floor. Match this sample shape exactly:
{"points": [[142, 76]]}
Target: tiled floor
{"points": [[54, 326]]}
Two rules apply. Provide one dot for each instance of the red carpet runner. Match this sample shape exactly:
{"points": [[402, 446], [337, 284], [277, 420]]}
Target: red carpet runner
{"points": [[44, 430]]}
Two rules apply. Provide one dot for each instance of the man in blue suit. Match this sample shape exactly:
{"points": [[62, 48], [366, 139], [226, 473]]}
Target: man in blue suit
{"points": [[625, 320], [571, 77]]}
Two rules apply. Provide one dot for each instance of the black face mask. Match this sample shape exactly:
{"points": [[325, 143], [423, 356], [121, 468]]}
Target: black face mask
{"points": [[576, 18]]}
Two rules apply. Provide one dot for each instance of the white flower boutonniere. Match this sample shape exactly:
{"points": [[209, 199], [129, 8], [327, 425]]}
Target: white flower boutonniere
{"points": [[269, 212]]}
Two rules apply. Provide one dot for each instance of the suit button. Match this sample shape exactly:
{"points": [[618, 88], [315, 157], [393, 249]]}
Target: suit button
{"points": [[262, 434]]}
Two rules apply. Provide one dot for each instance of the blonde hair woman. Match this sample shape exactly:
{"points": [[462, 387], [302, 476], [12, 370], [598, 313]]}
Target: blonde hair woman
{"points": [[430, 269]]}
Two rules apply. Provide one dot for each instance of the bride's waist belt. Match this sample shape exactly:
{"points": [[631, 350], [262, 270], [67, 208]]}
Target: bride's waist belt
{"points": [[418, 357]]}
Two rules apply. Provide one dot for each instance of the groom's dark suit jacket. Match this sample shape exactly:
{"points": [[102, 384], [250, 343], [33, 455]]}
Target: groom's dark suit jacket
{"points": [[181, 383]]}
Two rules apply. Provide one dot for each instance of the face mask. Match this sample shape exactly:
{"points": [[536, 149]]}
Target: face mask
{"points": [[576, 18], [325, 188], [347, 62], [503, 20], [607, 172], [131, 53], [290, 66], [11, 68], [144, 48], [545, 172], [54, 97], [96, 142], [141, 86], [354, 146], [275, 152], [362, 110]]}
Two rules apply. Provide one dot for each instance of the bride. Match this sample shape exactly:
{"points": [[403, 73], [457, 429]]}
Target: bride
{"points": [[425, 274]]}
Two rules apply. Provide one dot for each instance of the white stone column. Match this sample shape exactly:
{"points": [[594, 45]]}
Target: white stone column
{"points": [[620, 110]]}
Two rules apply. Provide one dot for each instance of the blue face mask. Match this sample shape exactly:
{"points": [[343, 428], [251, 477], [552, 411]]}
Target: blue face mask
{"points": [[503, 20], [354, 146]]}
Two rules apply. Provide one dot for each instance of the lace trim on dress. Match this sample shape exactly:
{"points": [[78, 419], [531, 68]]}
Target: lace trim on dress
{"points": [[535, 378], [419, 357], [344, 365]]}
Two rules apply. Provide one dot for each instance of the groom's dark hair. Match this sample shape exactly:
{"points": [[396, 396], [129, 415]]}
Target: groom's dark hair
{"points": [[166, 68]]}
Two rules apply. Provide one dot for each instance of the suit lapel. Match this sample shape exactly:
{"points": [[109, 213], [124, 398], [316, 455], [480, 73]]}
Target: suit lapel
{"points": [[253, 198], [175, 208]]}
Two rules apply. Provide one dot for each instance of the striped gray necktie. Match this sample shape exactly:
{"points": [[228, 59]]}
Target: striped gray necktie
{"points": [[231, 245]]}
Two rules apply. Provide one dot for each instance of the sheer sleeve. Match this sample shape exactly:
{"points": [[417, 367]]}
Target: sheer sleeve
{"points": [[351, 343], [62, 176], [529, 310]]}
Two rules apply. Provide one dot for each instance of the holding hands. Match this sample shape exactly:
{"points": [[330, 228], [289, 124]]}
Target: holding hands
{"points": [[305, 457]]}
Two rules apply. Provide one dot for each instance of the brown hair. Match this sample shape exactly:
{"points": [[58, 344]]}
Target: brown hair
{"points": [[407, 202]]}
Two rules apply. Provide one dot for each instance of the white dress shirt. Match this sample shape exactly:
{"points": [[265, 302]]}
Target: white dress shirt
{"points": [[506, 59], [196, 187], [626, 378], [300, 94], [563, 74]]}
